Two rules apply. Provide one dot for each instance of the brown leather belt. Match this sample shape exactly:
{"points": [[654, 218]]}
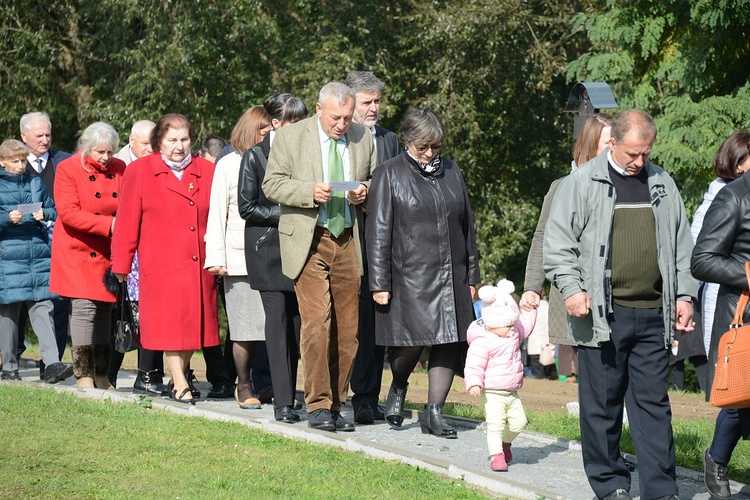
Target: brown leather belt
{"points": [[325, 232]]}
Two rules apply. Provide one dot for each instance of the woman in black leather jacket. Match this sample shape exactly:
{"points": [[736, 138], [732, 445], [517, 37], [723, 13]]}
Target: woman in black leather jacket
{"points": [[423, 264], [719, 256], [264, 259]]}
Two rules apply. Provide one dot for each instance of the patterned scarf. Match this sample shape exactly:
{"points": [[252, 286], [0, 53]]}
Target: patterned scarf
{"points": [[178, 166], [429, 168]]}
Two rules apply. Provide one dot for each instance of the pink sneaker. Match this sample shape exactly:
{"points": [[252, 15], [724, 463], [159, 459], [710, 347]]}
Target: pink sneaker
{"points": [[508, 454], [497, 463]]}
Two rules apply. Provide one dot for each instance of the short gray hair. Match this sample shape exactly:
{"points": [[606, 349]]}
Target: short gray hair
{"points": [[422, 126], [96, 134], [363, 81], [139, 128], [336, 90], [30, 118]]}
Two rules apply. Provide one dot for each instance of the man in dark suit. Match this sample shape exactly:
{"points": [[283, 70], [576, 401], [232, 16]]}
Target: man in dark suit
{"points": [[367, 374], [320, 241], [36, 133]]}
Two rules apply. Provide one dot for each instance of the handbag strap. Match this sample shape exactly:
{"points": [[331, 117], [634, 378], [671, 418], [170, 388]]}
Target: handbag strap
{"points": [[123, 300], [742, 303]]}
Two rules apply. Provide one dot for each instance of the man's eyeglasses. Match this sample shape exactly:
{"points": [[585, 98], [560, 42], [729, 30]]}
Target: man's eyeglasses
{"points": [[434, 147]]}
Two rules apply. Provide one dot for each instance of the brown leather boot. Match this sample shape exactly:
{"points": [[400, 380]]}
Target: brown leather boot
{"points": [[83, 365]]}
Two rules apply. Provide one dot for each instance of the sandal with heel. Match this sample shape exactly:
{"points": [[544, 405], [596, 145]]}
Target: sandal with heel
{"points": [[180, 399]]}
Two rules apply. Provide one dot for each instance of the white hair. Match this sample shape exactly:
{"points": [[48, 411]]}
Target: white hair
{"points": [[98, 134], [29, 119], [336, 90], [142, 127]]}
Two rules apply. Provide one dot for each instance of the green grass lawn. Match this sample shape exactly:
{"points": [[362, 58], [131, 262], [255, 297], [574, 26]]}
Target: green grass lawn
{"points": [[60, 446]]}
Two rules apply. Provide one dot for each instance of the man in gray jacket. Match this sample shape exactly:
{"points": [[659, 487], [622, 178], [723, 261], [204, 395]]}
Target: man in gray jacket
{"points": [[617, 246]]}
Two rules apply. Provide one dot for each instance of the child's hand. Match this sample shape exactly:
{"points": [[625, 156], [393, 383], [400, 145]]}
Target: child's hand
{"points": [[529, 300], [475, 391]]}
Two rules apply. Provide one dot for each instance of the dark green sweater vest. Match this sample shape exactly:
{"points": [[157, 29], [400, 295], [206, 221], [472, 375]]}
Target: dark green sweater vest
{"points": [[636, 280]]}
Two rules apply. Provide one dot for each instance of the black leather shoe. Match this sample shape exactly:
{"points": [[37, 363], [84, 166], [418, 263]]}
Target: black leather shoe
{"points": [[286, 414], [150, 382], [618, 494], [341, 424], [321, 419], [221, 391], [56, 372], [10, 375], [715, 478], [364, 415], [379, 413], [41, 370], [190, 379]]}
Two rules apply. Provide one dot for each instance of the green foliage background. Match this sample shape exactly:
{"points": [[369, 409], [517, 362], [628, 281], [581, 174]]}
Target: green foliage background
{"points": [[497, 71]]}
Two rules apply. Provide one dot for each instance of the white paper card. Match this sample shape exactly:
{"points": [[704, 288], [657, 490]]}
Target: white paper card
{"points": [[344, 185], [29, 208]]}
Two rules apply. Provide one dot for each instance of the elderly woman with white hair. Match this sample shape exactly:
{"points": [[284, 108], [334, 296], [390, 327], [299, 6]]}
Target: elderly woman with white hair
{"points": [[87, 187]]}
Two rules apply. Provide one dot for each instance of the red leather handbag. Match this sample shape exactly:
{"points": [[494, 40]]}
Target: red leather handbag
{"points": [[731, 386]]}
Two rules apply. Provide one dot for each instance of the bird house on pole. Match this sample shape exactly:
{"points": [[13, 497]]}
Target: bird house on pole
{"points": [[586, 99]]}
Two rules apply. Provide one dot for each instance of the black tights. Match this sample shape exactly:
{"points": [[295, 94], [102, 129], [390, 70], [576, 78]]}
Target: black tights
{"points": [[243, 351], [441, 368]]}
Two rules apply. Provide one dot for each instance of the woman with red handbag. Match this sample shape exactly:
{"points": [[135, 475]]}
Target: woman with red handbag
{"points": [[719, 256]]}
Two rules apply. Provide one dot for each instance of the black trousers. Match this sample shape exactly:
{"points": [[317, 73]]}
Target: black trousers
{"points": [[151, 360], [216, 370], [631, 367], [282, 343], [367, 373]]}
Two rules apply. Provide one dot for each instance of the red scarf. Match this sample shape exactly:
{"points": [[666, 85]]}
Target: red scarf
{"points": [[90, 164]]}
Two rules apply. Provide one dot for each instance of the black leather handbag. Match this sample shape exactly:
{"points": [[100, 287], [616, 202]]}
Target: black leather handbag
{"points": [[127, 333]]}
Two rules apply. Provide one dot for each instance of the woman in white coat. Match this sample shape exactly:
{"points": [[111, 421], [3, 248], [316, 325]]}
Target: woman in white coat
{"points": [[225, 256]]}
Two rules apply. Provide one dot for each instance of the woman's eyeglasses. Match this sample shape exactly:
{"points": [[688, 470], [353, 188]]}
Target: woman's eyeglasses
{"points": [[434, 147]]}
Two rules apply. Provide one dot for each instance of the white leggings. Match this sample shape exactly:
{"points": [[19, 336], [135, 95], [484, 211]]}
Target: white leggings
{"points": [[505, 418]]}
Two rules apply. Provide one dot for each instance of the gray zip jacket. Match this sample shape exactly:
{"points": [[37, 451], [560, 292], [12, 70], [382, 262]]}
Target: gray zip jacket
{"points": [[577, 246]]}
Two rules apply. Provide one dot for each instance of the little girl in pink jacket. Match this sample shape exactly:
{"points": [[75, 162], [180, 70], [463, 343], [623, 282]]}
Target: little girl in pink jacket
{"points": [[494, 365]]}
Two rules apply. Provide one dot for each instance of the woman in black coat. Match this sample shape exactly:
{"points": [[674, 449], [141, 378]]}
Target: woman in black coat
{"points": [[719, 256], [423, 265], [264, 259]]}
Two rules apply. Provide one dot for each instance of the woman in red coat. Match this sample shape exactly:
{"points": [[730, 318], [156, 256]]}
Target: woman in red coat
{"points": [[87, 187], [163, 214]]}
